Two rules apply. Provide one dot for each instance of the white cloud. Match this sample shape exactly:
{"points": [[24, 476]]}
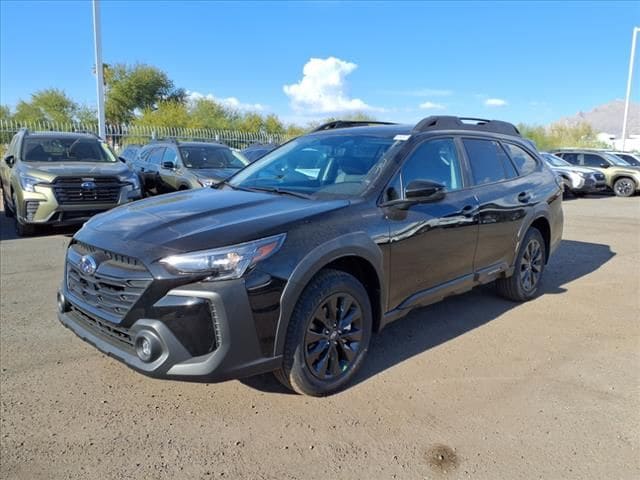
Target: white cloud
{"points": [[230, 102], [495, 102], [323, 88], [432, 106]]}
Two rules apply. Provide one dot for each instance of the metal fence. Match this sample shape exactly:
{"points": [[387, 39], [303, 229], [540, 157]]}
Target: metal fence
{"points": [[118, 135]]}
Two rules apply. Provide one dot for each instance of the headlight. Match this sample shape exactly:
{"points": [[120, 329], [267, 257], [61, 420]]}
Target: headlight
{"points": [[206, 182], [577, 179], [27, 182], [227, 262]]}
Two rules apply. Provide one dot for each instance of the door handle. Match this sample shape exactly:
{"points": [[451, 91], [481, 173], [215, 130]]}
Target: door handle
{"points": [[524, 197]]}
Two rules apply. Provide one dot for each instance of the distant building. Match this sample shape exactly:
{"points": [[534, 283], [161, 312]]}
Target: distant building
{"points": [[631, 145]]}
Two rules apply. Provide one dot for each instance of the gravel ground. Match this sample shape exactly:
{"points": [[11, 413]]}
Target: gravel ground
{"points": [[473, 387]]}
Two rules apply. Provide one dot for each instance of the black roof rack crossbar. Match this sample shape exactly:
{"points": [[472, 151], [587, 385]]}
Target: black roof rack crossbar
{"points": [[348, 124], [446, 122]]}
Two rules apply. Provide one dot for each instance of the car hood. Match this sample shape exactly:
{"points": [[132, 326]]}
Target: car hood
{"points": [[197, 219], [214, 173], [50, 171], [575, 169]]}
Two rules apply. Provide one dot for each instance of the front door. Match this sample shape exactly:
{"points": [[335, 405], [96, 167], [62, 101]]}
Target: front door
{"points": [[432, 243]]}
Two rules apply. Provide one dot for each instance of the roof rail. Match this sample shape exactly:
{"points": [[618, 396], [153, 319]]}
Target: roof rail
{"points": [[348, 124], [165, 140], [87, 132], [446, 122]]}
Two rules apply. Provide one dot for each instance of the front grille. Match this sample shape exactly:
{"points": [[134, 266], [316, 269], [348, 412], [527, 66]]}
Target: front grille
{"points": [[120, 334], [113, 289], [70, 190]]}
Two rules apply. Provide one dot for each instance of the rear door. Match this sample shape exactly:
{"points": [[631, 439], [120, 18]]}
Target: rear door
{"points": [[504, 198], [168, 177], [431, 243]]}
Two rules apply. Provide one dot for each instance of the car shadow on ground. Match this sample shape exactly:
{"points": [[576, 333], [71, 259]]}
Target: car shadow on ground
{"points": [[8, 229], [434, 325]]}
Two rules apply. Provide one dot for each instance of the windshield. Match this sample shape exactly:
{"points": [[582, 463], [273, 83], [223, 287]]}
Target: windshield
{"points": [[206, 156], [52, 149], [329, 164], [555, 161], [615, 160]]}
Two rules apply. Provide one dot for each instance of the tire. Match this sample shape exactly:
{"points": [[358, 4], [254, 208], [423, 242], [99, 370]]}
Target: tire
{"points": [[320, 357], [525, 282], [624, 187], [7, 211], [22, 229]]}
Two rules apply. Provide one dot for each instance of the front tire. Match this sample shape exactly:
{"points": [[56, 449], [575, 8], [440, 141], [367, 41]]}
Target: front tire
{"points": [[525, 282], [328, 335], [7, 211], [624, 187]]}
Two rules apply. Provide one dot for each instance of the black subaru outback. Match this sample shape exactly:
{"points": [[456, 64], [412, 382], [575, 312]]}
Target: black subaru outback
{"points": [[294, 262]]}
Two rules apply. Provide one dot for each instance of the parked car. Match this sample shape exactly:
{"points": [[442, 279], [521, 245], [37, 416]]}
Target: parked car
{"points": [[258, 150], [170, 165], [576, 180], [621, 177], [129, 152], [290, 269], [56, 178], [631, 158]]}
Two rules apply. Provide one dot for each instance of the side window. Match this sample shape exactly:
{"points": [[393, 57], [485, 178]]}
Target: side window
{"points": [[571, 158], [591, 160], [435, 160], [156, 156], [170, 155], [523, 160], [488, 160]]}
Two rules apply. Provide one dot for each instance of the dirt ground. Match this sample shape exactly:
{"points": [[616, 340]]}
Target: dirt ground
{"points": [[473, 387]]}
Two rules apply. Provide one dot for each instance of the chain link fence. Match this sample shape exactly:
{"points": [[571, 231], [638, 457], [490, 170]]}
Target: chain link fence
{"points": [[119, 135]]}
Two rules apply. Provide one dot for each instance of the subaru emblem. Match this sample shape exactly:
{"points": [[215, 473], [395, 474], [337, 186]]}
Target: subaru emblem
{"points": [[88, 265], [88, 185]]}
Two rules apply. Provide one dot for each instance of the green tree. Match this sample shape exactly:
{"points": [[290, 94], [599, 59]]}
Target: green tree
{"points": [[136, 88], [167, 114], [52, 105], [5, 112], [272, 124], [559, 135], [206, 113]]}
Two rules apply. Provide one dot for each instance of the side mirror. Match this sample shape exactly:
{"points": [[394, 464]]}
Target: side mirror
{"points": [[424, 191], [9, 160], [123, 160], [169, 165], [604, 165]]}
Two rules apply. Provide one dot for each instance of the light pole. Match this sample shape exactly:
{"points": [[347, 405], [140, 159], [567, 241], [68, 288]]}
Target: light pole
{"points": [[634, 37], [97, 45]]}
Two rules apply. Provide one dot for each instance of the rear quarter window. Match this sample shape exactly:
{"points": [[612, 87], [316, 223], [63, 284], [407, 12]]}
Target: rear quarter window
{"points": [[524, 162]]}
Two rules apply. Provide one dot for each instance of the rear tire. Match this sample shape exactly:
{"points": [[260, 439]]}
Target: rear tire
{"points": [[328, 335], [525, 282], [624, 187]]}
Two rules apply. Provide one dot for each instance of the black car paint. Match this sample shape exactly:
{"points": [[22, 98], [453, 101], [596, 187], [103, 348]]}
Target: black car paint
{"points": [[410, 256]]}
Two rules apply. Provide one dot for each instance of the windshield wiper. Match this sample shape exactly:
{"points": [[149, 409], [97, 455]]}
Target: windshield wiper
{"points": [[279, 191]]}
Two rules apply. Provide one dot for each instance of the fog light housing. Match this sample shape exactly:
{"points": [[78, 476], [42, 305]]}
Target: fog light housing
{"points": [[148, 346], [63, 305]]}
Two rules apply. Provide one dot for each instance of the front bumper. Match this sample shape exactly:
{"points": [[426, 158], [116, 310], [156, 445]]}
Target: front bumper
{"points": [[236, 351], [41, 206], [589, 185]]}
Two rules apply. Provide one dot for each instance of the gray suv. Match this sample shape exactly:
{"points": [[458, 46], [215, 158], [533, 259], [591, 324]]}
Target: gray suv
{"points": [[170, 165]]}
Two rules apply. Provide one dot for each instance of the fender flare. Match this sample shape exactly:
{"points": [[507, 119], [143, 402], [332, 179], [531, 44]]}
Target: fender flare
{"points": [[356, 244]]}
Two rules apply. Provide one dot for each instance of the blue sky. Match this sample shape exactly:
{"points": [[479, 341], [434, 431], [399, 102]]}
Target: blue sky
{"points": [[523, 62]]}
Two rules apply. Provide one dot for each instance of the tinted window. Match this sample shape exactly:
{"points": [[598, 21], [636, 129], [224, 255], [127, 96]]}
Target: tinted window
{"points": [[156, 156], [210, 157], [524, 162], [591, 160], [571, 158], [170, 155], [435, 160], [65, 149], [629, 159], [488, 161]]}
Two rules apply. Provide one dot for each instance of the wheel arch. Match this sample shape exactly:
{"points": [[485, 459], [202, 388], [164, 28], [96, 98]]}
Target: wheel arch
{"points": [[353, 253]]}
